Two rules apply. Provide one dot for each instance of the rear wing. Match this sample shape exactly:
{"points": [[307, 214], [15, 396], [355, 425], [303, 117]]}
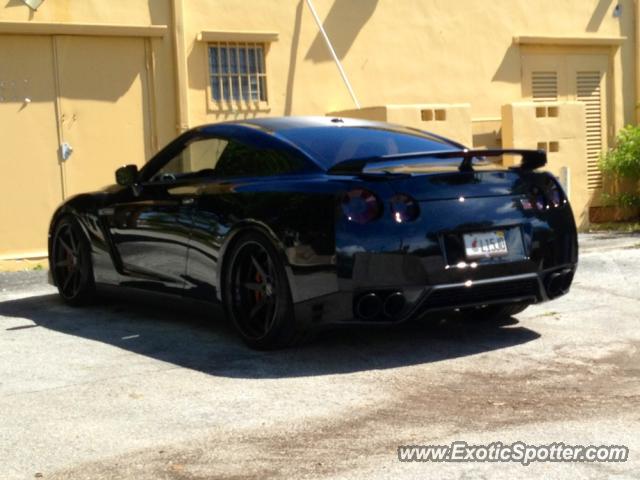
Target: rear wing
{"points": [[531, 159]]}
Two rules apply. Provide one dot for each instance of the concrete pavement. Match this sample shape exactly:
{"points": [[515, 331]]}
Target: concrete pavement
{"points": [[130, 390]]}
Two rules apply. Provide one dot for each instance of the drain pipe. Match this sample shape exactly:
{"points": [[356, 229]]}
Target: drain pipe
{"points": [[180, 67], [333, 53]]}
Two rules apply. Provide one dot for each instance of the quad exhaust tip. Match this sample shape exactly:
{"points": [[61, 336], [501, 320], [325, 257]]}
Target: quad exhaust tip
{"points": [[393, 304], [368, 306], [558, 283], [371, 305]]}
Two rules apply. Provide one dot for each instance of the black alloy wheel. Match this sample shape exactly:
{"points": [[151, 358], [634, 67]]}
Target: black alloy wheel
{"points": [[71, 263], [256, 294]]}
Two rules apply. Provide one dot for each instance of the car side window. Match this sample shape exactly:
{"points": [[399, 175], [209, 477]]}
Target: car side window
{"points": [[198, 158], [241, 160]]}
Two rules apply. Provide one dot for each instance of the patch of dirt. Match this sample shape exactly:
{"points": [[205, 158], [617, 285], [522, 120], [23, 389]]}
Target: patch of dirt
{"points": [[454, 404]]}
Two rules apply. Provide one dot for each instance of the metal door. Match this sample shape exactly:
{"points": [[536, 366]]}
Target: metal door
{"points": [[104, 112], [29, 167]]}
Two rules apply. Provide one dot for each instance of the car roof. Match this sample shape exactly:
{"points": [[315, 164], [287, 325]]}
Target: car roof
{"points": [[318, 137], [277, 124], [295, 133]]}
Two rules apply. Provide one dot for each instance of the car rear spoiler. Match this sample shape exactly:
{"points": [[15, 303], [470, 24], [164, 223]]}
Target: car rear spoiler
{"points": [[531, 159]]}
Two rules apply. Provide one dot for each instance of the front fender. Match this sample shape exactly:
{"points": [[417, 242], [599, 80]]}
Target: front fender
{"points": [[84, 209]]}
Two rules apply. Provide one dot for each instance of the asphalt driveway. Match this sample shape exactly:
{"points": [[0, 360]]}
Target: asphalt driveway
{"points": [[127, 389]]}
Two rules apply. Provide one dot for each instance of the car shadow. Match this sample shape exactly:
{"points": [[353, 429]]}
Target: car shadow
{"points": [[199, 338]]}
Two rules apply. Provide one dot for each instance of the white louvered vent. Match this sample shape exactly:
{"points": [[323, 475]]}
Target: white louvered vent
{"points": [[544, 86], [589, 92]]}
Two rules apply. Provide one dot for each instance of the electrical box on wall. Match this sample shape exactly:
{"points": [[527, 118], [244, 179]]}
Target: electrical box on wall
{"points": [[33, 4]]}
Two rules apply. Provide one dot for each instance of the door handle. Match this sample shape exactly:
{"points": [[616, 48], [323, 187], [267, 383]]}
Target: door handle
{"points": [[188, 201]]}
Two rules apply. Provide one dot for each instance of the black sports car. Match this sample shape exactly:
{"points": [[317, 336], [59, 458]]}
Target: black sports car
{"points": [[300, 222]]}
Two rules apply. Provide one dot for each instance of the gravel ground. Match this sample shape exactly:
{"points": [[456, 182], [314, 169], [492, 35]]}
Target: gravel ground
{"points": [[128, 390]]}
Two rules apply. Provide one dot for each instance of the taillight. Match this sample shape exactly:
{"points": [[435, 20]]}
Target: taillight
{"points": [[404, 208], [538, 199], [551, 195], [361, 206], [555, 194]]}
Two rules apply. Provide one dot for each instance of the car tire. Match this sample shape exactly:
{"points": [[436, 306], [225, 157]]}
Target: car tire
{"points": [[71, 264], [257, 296], [493, 313]]}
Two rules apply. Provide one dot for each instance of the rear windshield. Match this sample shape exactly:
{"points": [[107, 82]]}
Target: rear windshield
{"points": [[332, 145]]}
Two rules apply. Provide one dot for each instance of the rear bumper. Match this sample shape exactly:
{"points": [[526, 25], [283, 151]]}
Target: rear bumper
{"points": [[524, 288], [392, 304], [426, 262]]}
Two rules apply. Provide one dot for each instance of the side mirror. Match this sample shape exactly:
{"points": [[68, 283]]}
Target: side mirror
{"points": [[127, 175]]}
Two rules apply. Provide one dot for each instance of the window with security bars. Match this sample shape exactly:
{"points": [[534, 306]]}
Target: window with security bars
{"points": [[237, 72]]}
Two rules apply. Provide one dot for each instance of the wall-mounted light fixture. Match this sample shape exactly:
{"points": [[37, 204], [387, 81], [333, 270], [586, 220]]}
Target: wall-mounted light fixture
{"points": [[33, 4], [617, 11]]}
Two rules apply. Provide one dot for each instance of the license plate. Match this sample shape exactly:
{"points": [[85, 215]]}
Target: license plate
{"points": [[486, 244]]}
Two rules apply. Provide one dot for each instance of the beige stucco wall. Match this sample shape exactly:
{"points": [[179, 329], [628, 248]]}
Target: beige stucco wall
{"points": [[397, 54], [400, 52], [448, 120], [405, 51], [557, 128], [89, 11], [118, 13]]}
